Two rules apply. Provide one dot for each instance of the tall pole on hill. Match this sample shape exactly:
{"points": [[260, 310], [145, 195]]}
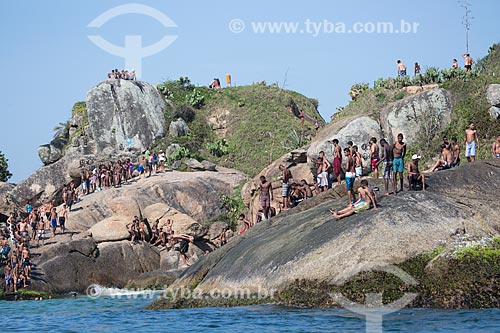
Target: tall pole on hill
{"points": [[466, 22]]}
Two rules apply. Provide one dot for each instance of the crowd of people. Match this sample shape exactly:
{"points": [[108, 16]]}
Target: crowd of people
{"points": [[115, 74], [468, 62], [141, 231], [24, 230]]}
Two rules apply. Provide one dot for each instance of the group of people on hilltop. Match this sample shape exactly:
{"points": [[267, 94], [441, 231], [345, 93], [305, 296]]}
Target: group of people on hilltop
{"points": [[468, 62], [115, 74]]}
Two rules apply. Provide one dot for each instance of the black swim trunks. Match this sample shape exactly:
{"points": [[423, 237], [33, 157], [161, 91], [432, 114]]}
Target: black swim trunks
{"points": [[184, 246]]}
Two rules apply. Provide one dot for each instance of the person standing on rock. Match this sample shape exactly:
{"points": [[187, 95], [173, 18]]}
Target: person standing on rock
{"points": [[266, 195], [286, 177], [496, 147], [374, 156], [358, 161], [337, 160], [471, 143], [401, 69], [416, 69], [387, 159], [468, 62], [454, 65], [53, 221], [350, 175], [398, 166], [322, 173], [455, 151], [63, 218]]}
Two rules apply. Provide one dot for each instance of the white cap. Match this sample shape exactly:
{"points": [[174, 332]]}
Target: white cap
{"points": [[416, 157]]}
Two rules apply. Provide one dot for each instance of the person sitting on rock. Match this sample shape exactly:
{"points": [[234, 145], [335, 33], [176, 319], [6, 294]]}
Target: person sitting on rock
{"points": [[414, 176], [306, 189], [246, 222], [444, 161], [365, 202]]}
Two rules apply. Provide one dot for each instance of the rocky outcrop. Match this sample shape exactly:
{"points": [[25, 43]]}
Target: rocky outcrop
{"points": [[178, 128], [76, 265], [50, 153], [493, 95], [125, 115], [419, 117], [309, 245], [111, 229]]}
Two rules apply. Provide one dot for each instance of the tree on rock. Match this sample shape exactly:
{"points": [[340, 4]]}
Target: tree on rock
{"points": [[4, 172]]}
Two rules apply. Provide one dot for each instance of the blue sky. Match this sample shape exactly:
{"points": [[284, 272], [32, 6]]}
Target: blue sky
{"points": [[49, 63]]}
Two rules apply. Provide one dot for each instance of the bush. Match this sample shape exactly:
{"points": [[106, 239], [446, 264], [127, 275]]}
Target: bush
{"points": [[357, 89], [180, 154], [185, 112], [432, 75], [218, 148], [195, 98]]}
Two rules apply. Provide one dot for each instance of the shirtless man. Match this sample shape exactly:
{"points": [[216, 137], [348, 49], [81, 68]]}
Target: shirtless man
{"points": [[401, 69], [322, 173], [53, 220], [414, 175], [471, 143], [63, 218], [455, 151], [468, 62], [398, 166], [444, 162], [374, 156], [350, 175], [454, 65], [496, 147], [358, 161], [286, 177], [337, 160], [266, 195], [23, 228], [304, 186], [365, 202], [41, 231], [387, 159], [247, 224]]}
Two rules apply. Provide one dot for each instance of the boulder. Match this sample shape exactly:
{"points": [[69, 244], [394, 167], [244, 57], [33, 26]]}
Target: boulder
{"points": [[6, 204], [195, 165], [216, 229], [208, 166], [111, 229], [493, 94], [49, 153], [125, 114], [178, 128], [159, 280], [170, 260], [494, 112], [419, 117], [172, 148]]}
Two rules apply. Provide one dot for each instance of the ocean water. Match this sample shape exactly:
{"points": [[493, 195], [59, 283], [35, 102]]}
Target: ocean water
{"points": [[124, 314]]}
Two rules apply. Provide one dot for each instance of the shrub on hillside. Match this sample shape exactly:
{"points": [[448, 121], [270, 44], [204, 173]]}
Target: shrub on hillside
{"points": [[185, 112]]}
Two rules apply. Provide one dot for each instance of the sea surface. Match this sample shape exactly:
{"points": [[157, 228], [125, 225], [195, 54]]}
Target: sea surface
{"points": [[127, 314]]}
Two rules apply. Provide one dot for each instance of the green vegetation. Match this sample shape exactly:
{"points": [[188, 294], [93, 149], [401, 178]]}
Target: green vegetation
{"points": [[468, 92], [245, 128], [4, 168], [467, 281]]}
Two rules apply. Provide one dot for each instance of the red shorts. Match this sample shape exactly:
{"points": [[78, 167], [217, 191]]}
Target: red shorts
{"points": [[374, 163], [336, 166]]}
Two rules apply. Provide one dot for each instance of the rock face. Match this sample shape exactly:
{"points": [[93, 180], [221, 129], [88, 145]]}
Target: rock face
{"points": [[178, 128], [49, 153], [125, 114], [111, 229], [309, 244], [493, 95], [419, 117], [76, 265]]}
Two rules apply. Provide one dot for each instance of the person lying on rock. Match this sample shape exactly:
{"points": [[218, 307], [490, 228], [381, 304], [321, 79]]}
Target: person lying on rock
{"points": [[365, 202], [444, 161]]}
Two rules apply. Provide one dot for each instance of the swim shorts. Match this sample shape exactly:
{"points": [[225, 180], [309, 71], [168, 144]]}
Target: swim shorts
{"points": [[398, 165], [470, 149]]}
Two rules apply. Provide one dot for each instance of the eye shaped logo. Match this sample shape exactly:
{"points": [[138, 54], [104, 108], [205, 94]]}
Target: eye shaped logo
{"points": [[374, 309], [132, 51]]}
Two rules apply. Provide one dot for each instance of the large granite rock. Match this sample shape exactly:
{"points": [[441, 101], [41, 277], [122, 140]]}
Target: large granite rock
{"points": [[75, 265], [419, 117], [178, 128], [113, 228], [493, 95], [308, 244], [192, 194], [49, 153], [124, 114]]}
